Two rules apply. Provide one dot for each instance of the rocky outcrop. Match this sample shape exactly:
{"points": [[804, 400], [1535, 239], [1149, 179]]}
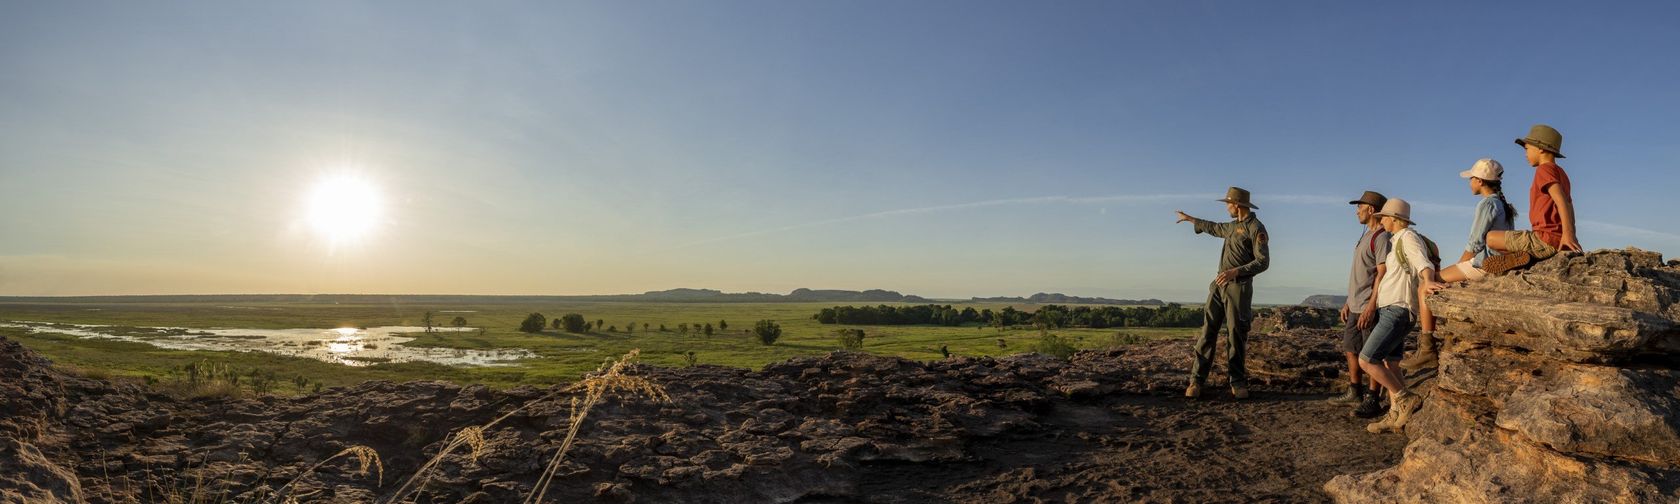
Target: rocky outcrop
{"points": [[1558, 384], [843, 427], [1294, 317]]}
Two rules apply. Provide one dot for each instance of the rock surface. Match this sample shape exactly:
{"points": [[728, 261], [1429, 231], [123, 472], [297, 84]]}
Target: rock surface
{"points": [[844, 427], [1558, 384]]}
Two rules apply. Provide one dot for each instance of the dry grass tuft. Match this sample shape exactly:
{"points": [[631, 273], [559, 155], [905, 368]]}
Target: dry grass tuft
{"points": [[366, 458], [609, 378]]}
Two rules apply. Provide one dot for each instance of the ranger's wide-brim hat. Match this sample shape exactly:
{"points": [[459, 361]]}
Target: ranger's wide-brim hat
{"points": [[1239, 196], [1546, 138], [1397, 208]]}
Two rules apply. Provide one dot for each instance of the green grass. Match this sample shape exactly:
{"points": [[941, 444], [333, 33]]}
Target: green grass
{"points": [[563, 357]]}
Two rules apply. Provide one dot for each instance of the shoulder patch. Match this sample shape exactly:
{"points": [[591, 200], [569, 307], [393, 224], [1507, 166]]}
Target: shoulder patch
{"points": [[1262, 237]]}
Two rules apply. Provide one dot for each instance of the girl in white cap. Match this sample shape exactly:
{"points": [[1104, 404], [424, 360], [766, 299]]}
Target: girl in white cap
{"points": [[1493, 213]]}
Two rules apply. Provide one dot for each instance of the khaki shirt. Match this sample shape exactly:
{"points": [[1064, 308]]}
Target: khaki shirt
{"points": [[1246, 245]]}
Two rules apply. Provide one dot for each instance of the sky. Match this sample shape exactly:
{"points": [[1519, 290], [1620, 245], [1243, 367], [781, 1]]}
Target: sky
{"points": [[943, 149]]}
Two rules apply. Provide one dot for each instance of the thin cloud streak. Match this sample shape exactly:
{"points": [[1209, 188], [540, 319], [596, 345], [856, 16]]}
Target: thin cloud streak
{"points": [[1288, 199]]}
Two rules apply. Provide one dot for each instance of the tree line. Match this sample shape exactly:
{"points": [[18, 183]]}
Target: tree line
{"points": [[1051, 316]]}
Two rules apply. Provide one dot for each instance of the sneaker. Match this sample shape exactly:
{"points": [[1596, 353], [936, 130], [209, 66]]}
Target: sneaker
{"points": [[1499, 264], [1371, 407], [1403, 408], [1354, 395], [1384, 425], [1194, 391], [1239, 391]]}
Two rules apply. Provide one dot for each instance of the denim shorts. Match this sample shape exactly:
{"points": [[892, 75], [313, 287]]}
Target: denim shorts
{"points": [[1388, 336]]}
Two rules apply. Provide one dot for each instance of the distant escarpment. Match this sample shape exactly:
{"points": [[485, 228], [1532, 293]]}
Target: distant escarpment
{"points": [[1558, 384], [1058, 298]]}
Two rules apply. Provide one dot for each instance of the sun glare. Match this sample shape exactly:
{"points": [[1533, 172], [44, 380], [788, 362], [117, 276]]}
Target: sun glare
{"points": [[343, 209]]}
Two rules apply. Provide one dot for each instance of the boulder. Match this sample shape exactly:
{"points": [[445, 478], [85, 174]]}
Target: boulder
{"points": [[1560, 383]]}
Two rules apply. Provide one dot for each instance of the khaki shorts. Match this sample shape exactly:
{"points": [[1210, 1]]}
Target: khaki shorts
{"points": [[1470, 273], [1527, 241]]}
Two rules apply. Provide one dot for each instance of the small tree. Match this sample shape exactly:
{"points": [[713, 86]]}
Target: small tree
{"points": [[662, 328], [645, 327], [573, 323], [723, 325], [612, 328], [426, 320], [850, 339], [708, 330], [533, 323], [600, 323], [555, 323], [459, 322], [630, 328], [682, 328], [767, 332], [588, 326]]}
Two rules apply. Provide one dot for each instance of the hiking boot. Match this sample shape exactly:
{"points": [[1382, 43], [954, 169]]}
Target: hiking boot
{"points": [[1499, 264], [1426, 356], [1239, 391], [1194, 391], [1354, 395], [1403, 408], [1372, 407], [1384, 425]]}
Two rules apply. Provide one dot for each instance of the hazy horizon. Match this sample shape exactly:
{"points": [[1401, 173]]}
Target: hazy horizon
{"points": [[941, 149]]}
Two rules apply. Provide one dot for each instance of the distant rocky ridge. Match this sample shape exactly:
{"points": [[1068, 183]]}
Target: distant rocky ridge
{"points": [[1559, 384], [1058, 298], [665, 296], [1330, 301]]}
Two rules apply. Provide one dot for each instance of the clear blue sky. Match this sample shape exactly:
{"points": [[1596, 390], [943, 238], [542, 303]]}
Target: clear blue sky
{"points": [[945, 149]]}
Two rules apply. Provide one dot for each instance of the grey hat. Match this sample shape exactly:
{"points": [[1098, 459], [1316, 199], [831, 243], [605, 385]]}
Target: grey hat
{"points": [[1546, 138]]}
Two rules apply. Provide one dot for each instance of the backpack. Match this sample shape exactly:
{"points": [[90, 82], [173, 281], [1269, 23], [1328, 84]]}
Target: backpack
{"points": [[1434, 263], [1428, 247]]}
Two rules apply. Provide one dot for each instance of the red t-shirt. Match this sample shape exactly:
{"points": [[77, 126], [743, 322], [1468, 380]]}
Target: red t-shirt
{"points": [[1543, 214]]}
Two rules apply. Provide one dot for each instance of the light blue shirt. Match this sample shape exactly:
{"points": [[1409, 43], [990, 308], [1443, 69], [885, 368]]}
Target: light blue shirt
{"points": [[1490, 216]]}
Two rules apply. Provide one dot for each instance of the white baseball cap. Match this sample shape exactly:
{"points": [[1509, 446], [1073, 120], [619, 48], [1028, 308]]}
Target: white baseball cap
{"points": [[1485, 169]]}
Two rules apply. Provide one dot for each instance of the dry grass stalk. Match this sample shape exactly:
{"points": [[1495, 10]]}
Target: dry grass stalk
{"points": [[366, 458], [609, 377]]}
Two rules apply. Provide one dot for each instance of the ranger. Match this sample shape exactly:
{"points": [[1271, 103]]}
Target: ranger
{"points": [[1230, 295]]}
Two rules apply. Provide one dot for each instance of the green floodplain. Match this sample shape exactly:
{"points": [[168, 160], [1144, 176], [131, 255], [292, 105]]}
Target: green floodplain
{"points": [[559, 356]]}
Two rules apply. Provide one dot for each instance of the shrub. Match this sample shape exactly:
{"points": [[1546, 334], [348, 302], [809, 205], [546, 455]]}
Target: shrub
{"points": [[573, 323], [533, 323], [459, 322], [690, 359], [1054, 346], [1123, 338], [767, 331], [850, 339]]}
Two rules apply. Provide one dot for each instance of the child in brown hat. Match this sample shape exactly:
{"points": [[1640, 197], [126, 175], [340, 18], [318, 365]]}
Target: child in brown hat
{"points": [[1551, 212]]}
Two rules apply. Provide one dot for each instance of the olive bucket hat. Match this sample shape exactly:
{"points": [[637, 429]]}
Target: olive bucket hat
{"points": [[1239, 196], [1546, 138]]}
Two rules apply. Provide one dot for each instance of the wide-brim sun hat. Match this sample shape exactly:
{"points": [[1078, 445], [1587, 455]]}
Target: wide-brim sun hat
{"points": [[1397, 208], [1238, 196], [1373, 198], [1485, 169], [1546, 138]]}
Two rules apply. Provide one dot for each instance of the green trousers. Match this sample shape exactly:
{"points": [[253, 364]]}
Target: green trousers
{"points": [[1228, 306]]}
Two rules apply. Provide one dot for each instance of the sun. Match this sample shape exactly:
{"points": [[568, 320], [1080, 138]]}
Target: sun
{"points": [[344, 209]]}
